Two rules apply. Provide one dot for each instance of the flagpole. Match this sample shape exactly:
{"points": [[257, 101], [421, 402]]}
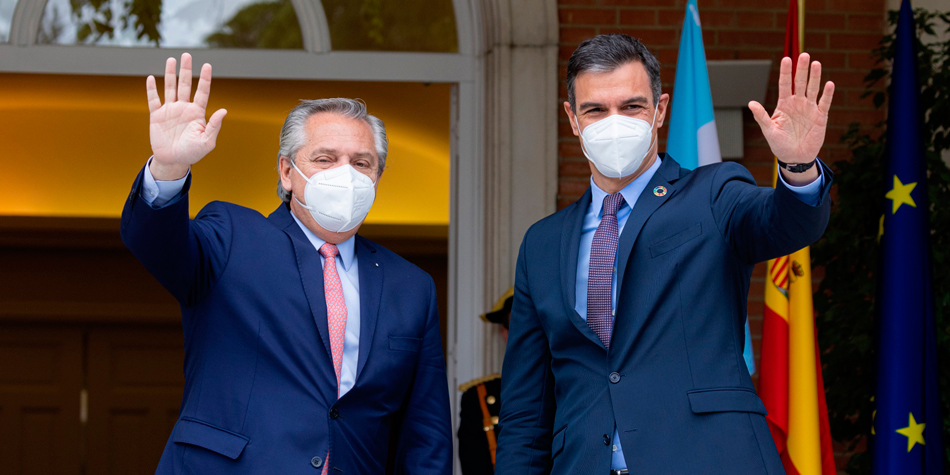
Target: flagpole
{"points": [[801, 27]]}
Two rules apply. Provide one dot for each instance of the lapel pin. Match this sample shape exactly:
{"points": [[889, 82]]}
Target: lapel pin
{"points": [[377, 264], [659, 191]]}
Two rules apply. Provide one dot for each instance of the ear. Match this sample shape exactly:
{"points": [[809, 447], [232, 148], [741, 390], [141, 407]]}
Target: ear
{"points": [[661, 109], [285, 169], [571, 118]]}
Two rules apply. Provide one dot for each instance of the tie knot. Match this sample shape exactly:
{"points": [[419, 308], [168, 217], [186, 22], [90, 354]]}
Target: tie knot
{"points": [[612, 203], [328, 250]]}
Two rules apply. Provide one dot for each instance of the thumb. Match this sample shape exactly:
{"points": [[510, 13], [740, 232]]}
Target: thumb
{"points": [[214, 125], [760, 115]]}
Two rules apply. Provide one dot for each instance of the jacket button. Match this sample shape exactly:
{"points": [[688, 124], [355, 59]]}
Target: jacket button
{"points": [[606, 439], [334, 413], [316, 462], [614, 377]]}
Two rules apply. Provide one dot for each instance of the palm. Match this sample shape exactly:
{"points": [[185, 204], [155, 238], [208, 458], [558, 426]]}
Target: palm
{"points": [[796, 129], [178, 132]]}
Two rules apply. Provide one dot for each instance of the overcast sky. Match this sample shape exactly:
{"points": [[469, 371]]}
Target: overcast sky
{"points": [[6, 14], [185, 23]]}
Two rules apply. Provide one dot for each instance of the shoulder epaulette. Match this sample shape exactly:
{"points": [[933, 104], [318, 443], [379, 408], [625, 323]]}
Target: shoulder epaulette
{"points": [[475, 382]]}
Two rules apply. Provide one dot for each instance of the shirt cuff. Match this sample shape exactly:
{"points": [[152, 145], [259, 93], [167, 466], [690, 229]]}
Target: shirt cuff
{"points": [[158, 193], [809, 194]]}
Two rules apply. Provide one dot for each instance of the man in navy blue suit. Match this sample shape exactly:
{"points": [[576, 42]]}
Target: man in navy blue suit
{"points": [[305, 344], [626, 336]]}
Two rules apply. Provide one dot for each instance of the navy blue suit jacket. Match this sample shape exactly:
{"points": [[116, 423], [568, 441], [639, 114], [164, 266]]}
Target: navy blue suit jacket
{"points": [[260, 391], [674, 379]]}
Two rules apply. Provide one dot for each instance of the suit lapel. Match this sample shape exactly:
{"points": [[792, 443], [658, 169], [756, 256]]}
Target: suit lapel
{"points": [[647, 203], [371, 286], [311, 272], [570, 246]]}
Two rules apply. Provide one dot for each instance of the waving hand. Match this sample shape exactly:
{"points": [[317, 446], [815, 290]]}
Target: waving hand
{"points": [[796, 129], [178, 132]]}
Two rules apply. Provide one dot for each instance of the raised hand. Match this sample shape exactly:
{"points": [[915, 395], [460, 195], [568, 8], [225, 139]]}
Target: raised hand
{"points": [[178, 132], [796, 130]]}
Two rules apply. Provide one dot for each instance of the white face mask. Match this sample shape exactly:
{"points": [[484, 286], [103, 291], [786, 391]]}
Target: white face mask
{"points": [[617, 144], [339, 198]]}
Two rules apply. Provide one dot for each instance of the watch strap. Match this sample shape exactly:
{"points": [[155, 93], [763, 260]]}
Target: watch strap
{"points": [[796, 167]]}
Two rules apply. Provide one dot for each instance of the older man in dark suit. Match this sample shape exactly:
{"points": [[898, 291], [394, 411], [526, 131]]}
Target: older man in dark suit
{"points": [[305, 344]]}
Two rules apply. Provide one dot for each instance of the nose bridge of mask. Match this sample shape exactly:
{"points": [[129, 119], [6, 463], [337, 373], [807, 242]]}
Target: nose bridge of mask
{"points": [[336, 172]]}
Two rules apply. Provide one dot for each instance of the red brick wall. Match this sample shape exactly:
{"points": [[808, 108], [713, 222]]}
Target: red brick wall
{"points": [[838, 33]]}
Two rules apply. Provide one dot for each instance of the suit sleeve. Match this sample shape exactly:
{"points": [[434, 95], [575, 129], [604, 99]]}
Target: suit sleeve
{"points": [[425, 436], [763, 223], [185, 256], [527, 387]]}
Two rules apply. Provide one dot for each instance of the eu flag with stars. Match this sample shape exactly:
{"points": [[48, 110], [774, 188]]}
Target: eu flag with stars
{"points": [[907, 424]]}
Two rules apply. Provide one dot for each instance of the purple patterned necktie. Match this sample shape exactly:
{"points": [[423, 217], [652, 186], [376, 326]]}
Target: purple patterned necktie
{"points": [[603, 252]]}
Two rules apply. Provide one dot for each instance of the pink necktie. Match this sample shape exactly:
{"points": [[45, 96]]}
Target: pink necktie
{"points": [[336, 315], [336, 307]]}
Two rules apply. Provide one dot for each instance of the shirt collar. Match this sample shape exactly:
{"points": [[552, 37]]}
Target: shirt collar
{"points": [[347, 248], [630, 192]]}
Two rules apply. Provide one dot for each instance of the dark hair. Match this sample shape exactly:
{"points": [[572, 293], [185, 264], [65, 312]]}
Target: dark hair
{"points": [[604, 53]]}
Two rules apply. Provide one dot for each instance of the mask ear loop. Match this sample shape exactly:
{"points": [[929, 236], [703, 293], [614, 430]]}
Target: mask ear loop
{"points": [[581, 135], [294, 195], [293, 164], [652, 143]]}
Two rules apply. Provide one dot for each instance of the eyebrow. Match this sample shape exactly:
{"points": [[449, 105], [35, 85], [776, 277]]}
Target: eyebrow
{"points": [[334, 152], [632, 100]]}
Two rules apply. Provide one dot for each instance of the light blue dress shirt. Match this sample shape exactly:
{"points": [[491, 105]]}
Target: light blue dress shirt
{"points": [[808, 194], [162, 193]]}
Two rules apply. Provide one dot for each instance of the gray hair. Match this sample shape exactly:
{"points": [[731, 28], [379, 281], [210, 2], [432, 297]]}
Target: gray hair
{"points": [[604, 53], [293, 134]]}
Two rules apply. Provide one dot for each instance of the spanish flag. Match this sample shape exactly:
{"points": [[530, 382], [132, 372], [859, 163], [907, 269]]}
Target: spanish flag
{"points": [[790, 381]]}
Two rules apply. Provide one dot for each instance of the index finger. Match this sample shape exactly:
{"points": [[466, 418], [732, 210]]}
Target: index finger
{"points": [[825, 103]]}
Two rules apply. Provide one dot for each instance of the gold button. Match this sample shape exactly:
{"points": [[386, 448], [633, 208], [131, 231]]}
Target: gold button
{"points": [[494, 420], [490, 399]]}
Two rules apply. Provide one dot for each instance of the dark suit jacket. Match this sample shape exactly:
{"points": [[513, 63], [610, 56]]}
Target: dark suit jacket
{"points": [[260, 391], [674, 379]]}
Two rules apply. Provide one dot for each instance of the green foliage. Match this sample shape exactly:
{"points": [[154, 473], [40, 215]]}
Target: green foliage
{"points": [[270, 25], [267, 24], [845, 302], [391, 25], [95, 19]]}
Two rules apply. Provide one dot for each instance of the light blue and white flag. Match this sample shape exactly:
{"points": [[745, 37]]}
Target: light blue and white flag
{"points": [[693, 140]]}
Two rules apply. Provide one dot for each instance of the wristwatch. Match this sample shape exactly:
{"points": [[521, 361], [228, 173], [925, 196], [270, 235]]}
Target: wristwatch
{"points": [[796, 167]]}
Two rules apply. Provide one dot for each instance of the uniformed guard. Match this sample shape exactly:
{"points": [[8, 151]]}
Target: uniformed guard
{"points": [[480, 404]]}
